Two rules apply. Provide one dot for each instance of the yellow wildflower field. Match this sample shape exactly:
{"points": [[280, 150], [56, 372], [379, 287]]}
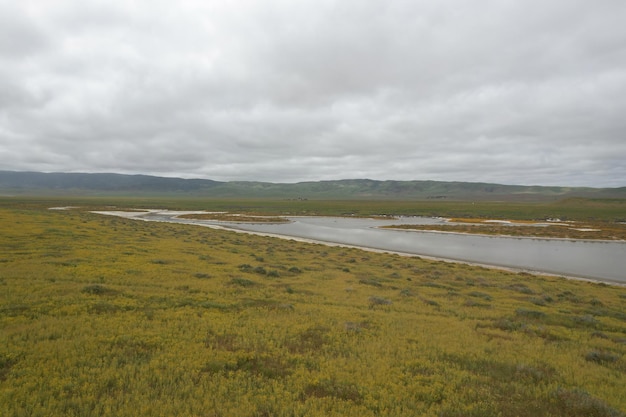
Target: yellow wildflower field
{"points": [[106, 316]]}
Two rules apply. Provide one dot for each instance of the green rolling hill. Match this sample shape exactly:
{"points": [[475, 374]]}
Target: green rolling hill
{"points": [[84, 184]]}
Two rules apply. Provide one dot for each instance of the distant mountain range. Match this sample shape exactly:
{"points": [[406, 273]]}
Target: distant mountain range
{"points": [[81, 184]]}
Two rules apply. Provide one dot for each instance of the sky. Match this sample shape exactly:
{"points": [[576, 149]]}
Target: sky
{"points": [[523, 92]]}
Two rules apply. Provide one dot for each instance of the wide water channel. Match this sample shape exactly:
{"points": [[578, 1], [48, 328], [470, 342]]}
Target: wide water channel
{"points": [[598, 260]]}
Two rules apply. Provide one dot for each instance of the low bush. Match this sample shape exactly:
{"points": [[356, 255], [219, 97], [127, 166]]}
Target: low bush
{"points": [[243, 282], [378, 301], [331, 388], [601, 357], [97, 289]]}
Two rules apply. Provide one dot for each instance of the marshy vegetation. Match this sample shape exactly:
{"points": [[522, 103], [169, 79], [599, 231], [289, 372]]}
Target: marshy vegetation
{"points": [[600, 230], [106, 316], [234, 217]]}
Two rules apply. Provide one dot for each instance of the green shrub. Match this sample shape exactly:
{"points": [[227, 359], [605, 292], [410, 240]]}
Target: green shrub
{"points": [[97, 289], [310, 340], [523, 288], [371, 281], [601, 357], [6, 363], [507, 324], [531, 314], [378, 301], [245, 267], [578, 403], [242, 282], [478, 294], [335, 389]]}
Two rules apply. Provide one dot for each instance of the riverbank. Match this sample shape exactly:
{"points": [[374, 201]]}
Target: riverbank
{"points": [[577, 260]]}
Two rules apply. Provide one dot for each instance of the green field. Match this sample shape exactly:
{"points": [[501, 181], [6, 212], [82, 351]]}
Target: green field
{"points": [[105, 316], [609, 210]]}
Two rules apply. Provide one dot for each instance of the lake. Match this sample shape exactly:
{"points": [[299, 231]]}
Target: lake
{"points": [[597, 260]]}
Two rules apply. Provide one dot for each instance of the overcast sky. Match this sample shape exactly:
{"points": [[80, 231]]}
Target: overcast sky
{"points": [[506, 91]]}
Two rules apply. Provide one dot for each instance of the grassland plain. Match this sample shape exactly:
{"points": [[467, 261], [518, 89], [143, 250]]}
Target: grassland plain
{"points": [[579, 209], [105, 316]]}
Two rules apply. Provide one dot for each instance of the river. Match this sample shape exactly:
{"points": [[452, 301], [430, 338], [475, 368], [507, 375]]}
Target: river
{"points": [[596, 260]]}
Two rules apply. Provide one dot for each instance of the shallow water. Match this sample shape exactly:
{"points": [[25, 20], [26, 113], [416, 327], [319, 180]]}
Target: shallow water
{"points": [[599, 260]]}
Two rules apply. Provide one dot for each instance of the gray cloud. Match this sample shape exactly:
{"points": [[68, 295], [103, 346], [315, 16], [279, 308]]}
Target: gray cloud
{"points": [[512, 92]]}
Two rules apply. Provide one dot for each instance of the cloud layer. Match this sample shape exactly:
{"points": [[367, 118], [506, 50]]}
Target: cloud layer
{"points": [[518, 92]]}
